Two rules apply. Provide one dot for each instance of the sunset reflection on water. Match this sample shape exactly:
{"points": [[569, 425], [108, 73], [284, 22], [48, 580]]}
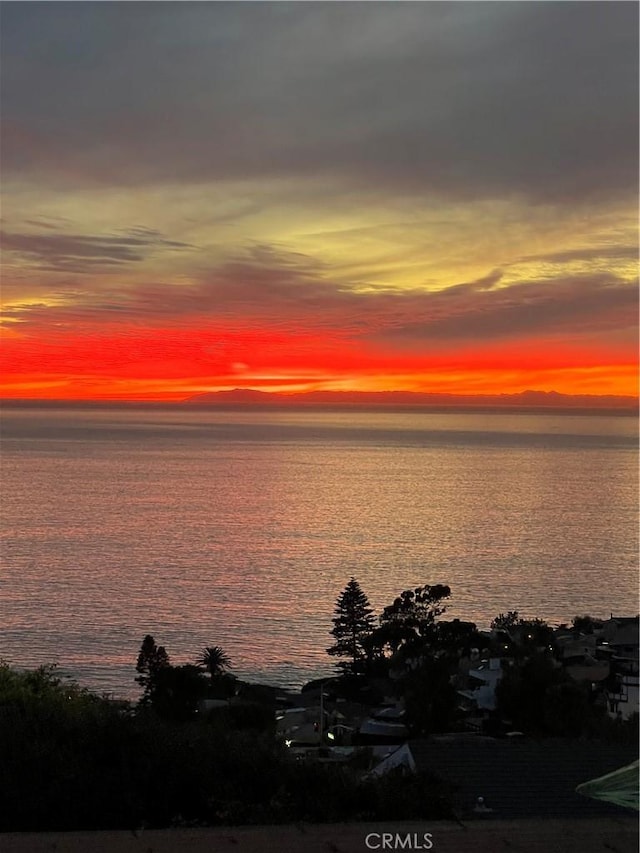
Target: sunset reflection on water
{"points": [[235, 530]]}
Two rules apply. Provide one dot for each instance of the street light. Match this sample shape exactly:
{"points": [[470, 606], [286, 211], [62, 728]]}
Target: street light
{"points": [[321, 710]]}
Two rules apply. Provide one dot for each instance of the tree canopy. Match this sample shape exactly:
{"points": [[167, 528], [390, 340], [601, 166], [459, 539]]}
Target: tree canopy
{"points": [[214, 660], [411, 617], [352, 624], [151, 660]]}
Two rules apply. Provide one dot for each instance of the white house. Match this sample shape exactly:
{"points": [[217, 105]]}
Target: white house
{"points": [[484, 680]]}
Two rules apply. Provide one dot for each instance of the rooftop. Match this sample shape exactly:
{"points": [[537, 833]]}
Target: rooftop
{"points": [[523, 777]]}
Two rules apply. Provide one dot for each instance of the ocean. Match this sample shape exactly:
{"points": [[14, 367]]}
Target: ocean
{"points": [[241, 528]]}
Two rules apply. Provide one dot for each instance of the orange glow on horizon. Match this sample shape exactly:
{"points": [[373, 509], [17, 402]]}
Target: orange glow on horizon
{"points": [[616, 380], [176, 363]]}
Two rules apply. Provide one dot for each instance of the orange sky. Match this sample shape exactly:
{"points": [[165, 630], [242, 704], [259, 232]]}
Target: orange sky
{"points": [[329, 196]]}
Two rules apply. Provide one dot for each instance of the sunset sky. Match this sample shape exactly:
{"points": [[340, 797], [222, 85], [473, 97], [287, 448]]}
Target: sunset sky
{"points": [[303, 196]]}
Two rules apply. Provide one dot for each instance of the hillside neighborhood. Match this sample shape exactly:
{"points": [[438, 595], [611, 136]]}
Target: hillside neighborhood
{"points": [[425, 719], [486, 756], [605, 657], [508, 722]]}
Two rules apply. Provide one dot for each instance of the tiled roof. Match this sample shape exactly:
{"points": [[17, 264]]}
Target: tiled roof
{"points": [[520, 777]]}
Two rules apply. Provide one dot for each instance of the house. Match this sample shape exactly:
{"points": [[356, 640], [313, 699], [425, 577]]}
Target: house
{"points": [[621, 633], [571, 649], [381, 732], [301, 725], [400, 757], [618, 644], [482, 683]]}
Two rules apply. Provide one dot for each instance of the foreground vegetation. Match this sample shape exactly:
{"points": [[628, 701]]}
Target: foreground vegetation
{"points": [[71, 760]]}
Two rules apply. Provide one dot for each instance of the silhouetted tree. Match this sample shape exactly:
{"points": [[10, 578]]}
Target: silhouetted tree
{"points": [[430, 698], [585, 624], [151, 660], [176, 692], [410, 620], [424, 654], [214, 661], [534, 635], [353, 623], [523, 636], [522, 689], [540, 698], [456, 638], [505, 621]]}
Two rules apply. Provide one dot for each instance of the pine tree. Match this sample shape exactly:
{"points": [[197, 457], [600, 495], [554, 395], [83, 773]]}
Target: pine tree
{"points": [[353, 623]]}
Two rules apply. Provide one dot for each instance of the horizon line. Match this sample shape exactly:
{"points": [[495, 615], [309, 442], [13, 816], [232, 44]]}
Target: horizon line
{"points": [[253, 397]]}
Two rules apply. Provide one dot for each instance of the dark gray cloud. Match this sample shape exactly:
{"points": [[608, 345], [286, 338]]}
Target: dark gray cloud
{"points": [[576, 305], [81, 253], [460, 99]]}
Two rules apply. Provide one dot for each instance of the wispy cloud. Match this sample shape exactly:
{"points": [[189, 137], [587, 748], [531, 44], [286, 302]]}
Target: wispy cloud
{"points": [[63, 252], [603, 254], [288, 291]]}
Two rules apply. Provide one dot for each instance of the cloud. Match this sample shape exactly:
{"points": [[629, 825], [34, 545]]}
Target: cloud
{"points": [[461, 100], [81, 253], [566, 306], [597, 253], [272, 292]]}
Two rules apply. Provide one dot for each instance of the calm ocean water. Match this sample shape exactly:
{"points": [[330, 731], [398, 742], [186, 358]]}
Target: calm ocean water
{"points": [[240, 529]]}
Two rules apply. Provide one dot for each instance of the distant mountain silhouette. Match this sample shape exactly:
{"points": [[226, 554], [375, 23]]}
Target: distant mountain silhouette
{"points": [[525, 399], [254, 399]]}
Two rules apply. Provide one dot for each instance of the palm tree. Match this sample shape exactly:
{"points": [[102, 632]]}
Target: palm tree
{"points": [[214, 660]]}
